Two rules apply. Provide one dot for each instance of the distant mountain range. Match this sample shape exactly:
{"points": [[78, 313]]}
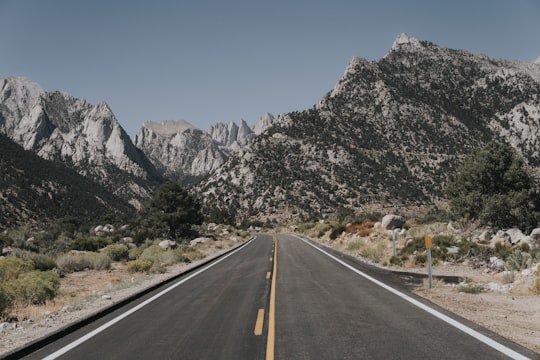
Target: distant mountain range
{"points": [[385, 138]]}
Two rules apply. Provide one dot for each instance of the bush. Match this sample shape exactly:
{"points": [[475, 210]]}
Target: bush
{"points": [[80, 262], [90, 243], [41, 262], [471, 289], [12, 267], [134, 253], [34, 287], [518, 260], [5, 299], [139, 266], [116, 252]]}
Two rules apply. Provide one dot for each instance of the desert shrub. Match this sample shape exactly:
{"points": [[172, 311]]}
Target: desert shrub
{"points": [[80, 262], [502, 251], [116, 252], [152, 253], [5, 299], [337, 231], [90, 243], [304, 227], [420, 259], [470, 289], [191, 253], [34, 287], [373, 253], [355, 245], [518, 260], [12, 267], [134, 253], [139, 265], [41, 262], [416, 244], [395, 260]]}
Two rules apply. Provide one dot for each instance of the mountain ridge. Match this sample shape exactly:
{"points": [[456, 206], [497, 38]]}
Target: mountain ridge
{"points": [[387, 135]]}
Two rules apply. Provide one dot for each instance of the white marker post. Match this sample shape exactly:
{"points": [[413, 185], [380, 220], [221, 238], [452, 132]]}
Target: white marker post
{"points": [[394, 239], [429, 245]]}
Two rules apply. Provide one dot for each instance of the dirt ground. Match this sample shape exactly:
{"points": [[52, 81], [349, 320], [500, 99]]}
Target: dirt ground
{"points": [[509, 309]]}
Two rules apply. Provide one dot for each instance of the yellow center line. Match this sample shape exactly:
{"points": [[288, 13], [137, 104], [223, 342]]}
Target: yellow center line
{"points": [[272, 311], [259, 324], [268, 274]]}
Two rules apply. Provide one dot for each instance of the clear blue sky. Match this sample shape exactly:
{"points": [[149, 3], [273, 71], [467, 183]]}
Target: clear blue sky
{"points": [[209, 61]]}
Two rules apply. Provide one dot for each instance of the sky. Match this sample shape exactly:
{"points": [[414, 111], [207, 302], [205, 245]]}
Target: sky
{"points": [[210, 61]]}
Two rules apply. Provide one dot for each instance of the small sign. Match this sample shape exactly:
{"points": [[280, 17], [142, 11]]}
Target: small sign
{"points": [[429, 243]]}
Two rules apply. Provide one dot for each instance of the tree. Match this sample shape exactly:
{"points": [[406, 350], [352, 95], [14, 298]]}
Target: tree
{"points": [[174, 209], [493, 186]]}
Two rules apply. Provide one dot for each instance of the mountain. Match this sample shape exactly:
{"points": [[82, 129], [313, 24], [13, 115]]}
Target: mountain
{"points": [[179, 150], [384, 139], [35, 190], [184, 153], [86, 137]]}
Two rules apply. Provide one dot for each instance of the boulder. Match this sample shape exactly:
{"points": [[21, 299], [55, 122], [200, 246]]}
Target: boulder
{"points": [[127, 240], [517, 237], [200, 240], [500, 237], [534, 239], [391, 222], [167, 244]]}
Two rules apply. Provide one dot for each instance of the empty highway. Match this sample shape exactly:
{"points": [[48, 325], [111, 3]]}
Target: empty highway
{"points": [[300, 302]]}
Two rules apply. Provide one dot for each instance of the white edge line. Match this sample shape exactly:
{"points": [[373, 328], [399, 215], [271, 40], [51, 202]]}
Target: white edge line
{"points": [[103, 327], [486, 340]]}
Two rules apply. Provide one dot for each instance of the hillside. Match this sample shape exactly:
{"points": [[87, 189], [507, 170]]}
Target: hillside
{"points": [[34, 190], [386, 137]]}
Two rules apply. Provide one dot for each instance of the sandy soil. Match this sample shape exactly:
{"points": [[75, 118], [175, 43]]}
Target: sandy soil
{"points": [[510, 310]]}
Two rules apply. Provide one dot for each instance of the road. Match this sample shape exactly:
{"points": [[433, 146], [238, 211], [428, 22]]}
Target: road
{"points": [[297, 304]]}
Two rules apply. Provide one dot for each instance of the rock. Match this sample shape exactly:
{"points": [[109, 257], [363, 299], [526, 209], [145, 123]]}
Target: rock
{"points": [[200, 240], [7, 250], [496, 263], [127, 240], [500, 237], [167, 244], [534, 239], [391, 222], [517, 237], [453, 250], [486, 235], [106, 297], [497, 287]]}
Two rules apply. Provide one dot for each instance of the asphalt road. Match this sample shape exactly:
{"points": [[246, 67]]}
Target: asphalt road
{"points": [[299, 304]]}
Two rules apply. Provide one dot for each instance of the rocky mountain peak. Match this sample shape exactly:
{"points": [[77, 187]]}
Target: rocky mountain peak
{"points": [[264, 122], [405, 42], [168, 127]]}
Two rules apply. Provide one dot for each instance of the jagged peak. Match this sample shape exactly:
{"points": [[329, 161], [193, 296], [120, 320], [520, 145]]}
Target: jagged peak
{"points": [[404, 42], [168, 127], [22, 86]]}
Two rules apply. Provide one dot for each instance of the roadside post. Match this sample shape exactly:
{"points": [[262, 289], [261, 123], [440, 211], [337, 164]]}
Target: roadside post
{"points": [[429, 245], [394, 231]]}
